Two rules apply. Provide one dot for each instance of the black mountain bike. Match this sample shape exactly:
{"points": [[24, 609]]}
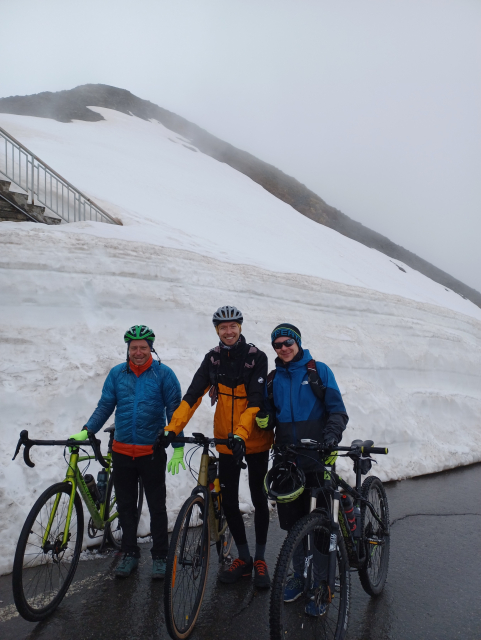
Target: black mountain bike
{"points": [[323, 547]]}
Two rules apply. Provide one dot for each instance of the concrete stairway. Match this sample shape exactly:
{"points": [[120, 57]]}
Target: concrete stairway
{"points": [[14, 207]]}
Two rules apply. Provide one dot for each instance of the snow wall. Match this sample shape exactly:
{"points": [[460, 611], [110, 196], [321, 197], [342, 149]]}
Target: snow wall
{"points": [[405, 350], [409, 372]]}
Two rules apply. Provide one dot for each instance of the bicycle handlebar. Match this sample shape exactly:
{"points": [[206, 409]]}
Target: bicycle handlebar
{"points": [[202, 440], [28, 444], [380, 450], [317, 446]]}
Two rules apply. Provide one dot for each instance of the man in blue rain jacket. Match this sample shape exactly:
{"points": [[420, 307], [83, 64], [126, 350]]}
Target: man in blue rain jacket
{"points": [[144, 394], [298, 409]]}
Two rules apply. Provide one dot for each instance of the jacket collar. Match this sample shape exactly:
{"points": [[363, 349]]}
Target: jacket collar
{"points": [[294, 366], [138, 369], [237, 348]]}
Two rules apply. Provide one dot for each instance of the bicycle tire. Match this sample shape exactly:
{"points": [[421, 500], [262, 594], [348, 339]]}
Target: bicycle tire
{"points": [[332, 626], [373, 573], [188, 559], [35, 606], [114, 530]]}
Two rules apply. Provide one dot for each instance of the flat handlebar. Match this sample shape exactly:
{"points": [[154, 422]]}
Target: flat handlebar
{"points": [[28, 444], [317, 446]]}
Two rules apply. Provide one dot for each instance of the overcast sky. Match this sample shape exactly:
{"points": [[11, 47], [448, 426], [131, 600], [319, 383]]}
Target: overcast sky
{"points": [[374, 105]]}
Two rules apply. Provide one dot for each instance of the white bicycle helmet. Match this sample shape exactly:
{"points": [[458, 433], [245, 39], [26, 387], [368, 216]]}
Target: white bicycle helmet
{"points": [[227, 314]]}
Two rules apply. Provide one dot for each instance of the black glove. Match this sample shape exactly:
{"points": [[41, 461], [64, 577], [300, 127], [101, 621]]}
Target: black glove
{"points": [[238, 449], [164, 439], [331, 443]]}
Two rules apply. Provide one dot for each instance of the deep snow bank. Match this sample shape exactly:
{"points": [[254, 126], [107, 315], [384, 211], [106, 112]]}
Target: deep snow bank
{"points": [[410, 372], [406, 351], [169, 194]]}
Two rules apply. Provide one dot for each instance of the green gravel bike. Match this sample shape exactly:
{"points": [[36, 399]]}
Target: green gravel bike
{"points": [[49, 546]]}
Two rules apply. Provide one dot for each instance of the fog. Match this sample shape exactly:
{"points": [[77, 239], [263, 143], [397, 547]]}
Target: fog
{"points": [[373, 105]]}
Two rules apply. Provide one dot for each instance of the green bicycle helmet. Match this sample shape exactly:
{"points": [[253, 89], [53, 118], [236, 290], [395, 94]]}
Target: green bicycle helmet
{"points": [[284, 482], [139, 332]]}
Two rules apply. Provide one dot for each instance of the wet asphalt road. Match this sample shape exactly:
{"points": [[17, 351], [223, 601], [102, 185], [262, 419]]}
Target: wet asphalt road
{"points": [[433, 590]]}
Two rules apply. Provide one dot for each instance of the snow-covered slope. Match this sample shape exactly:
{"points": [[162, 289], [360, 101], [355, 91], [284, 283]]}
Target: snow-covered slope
{"points": [[197, 234]]}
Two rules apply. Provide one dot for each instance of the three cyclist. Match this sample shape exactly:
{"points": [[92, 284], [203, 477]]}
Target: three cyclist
{"points": [[145, 393], [234, 374], [302, 401]]}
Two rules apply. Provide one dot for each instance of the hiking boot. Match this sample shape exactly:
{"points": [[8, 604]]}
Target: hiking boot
{"points": [[159, 566], [238, 569], [126, 566], [294, 588], [261, 575]]}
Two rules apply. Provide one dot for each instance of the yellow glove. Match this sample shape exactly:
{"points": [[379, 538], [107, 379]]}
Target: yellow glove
{"points": [[262, 420], [176, 460]]}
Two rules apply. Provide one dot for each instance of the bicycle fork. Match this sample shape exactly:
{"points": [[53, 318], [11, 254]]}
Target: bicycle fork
{"points": [[331, 575], [65, 534]]}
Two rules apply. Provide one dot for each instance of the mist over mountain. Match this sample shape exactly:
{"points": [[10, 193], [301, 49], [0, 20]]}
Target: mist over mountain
{"points": [[66, 106]]}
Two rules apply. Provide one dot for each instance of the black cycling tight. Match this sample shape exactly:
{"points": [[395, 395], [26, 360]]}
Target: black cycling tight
{"points": [[229, 473]]}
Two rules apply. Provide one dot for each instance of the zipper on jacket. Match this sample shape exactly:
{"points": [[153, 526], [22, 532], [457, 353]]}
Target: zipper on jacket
{"points": [[290, 395], [134, 414]]}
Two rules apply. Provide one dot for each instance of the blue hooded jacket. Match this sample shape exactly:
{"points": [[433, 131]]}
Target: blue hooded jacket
{"points": [[298, 412], [142, 403]]}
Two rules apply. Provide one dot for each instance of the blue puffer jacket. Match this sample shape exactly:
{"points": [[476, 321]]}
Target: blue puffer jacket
{"points": [[299, 413], [142, 403]]}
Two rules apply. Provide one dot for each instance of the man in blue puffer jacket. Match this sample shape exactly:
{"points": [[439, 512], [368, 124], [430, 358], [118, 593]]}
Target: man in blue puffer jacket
{"points": [[297, 412], [144, 393]]}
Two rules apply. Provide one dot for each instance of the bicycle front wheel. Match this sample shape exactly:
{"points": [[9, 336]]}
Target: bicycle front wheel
{"points": [[376, 543], [187, 564], [44, 566], [301, 606], [114, 530]]}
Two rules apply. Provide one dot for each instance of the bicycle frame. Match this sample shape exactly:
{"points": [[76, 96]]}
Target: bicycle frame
{"points": [[203, 487], [75, 478], [339, 524]]}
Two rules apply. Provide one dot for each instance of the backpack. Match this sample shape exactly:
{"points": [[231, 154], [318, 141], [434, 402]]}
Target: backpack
{"points": [[250, 349], [315, 382]]}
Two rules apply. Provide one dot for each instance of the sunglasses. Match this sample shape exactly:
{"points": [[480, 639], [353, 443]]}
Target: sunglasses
{"points": [[287, 343]]}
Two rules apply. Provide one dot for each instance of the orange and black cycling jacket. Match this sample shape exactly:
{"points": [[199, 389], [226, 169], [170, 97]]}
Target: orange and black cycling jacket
{"points": [[235, 378]]}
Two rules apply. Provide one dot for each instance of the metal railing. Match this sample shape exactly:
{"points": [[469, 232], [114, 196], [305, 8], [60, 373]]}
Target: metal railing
{"points": [[44, 185]]}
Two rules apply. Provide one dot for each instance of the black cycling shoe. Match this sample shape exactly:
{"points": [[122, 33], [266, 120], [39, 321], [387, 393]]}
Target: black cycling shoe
{"points": [[238, 569], [261, 575]]}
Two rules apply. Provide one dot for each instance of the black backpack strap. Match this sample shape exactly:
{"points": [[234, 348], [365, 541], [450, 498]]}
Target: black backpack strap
{"points": [[270, 387], [315, 382], [214, 363]]}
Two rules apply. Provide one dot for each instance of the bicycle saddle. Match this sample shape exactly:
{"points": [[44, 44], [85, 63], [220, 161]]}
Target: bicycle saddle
{"points": [[110, 429]]}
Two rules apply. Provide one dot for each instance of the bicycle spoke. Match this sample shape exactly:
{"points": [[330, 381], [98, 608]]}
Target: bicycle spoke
{"points": [[43, 565], [189, 561]]}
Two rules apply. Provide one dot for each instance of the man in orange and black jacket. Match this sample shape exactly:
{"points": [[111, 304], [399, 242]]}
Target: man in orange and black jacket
{"points": [[234, 374]]}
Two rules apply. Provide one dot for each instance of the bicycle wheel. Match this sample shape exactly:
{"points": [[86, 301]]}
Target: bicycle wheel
{"points": [[114, 530], [187, 564], [309, 569], [374, 572], [225, 542], [43, 568]]}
